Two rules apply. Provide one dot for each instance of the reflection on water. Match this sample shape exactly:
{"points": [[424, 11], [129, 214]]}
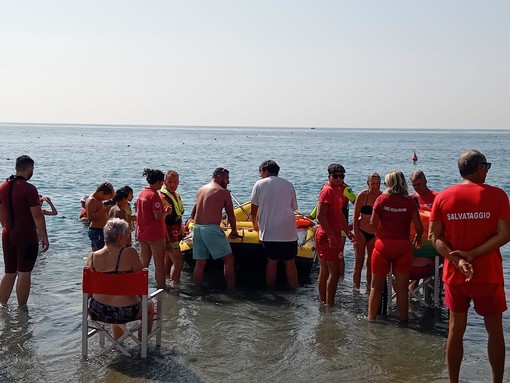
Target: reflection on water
{"points": [[251, 334], [17, 347]]}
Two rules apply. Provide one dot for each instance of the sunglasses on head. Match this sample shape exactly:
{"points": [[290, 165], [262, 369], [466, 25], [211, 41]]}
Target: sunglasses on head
{"points": [[486, 164], [337, 175]]}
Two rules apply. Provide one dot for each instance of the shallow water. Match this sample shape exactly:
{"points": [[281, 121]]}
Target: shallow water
{"points": [[251, 334]]}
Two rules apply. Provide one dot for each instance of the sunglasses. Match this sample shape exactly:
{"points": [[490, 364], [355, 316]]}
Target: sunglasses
{"points": [[337, 175], [486, 164]]}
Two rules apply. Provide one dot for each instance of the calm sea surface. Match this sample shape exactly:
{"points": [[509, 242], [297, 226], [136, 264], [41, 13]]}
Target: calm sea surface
{"points": [[250, 335]]}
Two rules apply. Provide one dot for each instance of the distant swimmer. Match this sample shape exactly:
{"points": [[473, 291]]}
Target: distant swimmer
{"points": [[52, 210], [414, 158]]}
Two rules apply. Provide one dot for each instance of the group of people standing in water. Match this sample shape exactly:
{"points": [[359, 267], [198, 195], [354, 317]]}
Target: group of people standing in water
{"points": [[158, 220], [469, 222]]}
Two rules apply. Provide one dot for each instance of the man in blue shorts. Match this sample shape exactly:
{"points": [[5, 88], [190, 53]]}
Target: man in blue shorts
{"points": [[208, 237], [22, 220]]}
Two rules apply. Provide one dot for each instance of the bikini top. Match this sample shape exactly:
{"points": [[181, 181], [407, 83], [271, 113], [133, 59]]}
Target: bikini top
{"points": [[116, 271], [366, 209]]}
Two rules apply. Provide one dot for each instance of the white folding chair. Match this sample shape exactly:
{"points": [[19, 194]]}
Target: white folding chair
{"points": [[135, 283], [430, 285]]}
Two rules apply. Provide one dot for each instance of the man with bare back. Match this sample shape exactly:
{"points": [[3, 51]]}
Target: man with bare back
{"points": [[97, 213], [208, 237]]}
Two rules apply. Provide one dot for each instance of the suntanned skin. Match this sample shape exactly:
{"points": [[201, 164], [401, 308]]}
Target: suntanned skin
{"points": [[272, 264], [173, 260], [156, 248], [52, 210], [362, 221], [330, 271], [401, 279], [105, 260], [420, 186], [97, 213], [211, 200], [458, 321]]}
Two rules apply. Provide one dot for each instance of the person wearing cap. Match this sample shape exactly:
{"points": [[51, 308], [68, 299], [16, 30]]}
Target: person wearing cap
{"points": [[83, 212], [208, 237]]}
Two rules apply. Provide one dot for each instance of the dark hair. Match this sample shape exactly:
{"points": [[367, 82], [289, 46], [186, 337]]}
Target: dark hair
{"points": [[468, 162], [23, 162], [271, 167], [219, 171], [171, 173], [152, 176], [126, 189], [335, 168], [106, 188], [418, 174], [373, 175], [120, 195]]}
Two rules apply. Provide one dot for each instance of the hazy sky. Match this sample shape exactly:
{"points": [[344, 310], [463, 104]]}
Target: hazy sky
{"points": [[430, 63]]}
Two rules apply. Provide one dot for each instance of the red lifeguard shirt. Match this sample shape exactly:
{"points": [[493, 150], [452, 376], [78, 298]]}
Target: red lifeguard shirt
{"points": [[21, 226], [427, 200], [333, 197], [470, 214], [395, 215], [148, 228]]}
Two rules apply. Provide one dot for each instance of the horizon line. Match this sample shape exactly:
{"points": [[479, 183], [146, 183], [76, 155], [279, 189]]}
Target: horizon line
{"points": [[243, 126]]}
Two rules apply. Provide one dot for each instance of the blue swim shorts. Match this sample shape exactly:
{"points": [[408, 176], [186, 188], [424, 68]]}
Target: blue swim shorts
{"points": [[96, 236], [209, 239]]}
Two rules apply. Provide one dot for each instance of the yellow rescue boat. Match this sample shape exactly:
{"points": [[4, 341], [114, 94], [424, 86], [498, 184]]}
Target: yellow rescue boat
{"points": [[247, 249]]}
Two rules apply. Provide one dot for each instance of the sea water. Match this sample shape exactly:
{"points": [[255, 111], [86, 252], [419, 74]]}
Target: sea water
{"points": [[251, 334]]}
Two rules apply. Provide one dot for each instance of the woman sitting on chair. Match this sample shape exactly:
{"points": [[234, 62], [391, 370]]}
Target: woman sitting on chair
{"points": [[116, 258]]}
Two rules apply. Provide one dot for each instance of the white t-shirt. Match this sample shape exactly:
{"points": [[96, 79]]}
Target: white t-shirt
{"points": [[276, 200]]}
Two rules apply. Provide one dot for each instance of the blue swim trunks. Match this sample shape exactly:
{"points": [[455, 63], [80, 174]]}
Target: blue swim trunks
{"points": [[96, 236], [209, 239]]}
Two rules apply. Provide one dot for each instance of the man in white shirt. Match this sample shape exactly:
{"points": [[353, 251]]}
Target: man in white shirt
{"points": [[273, 201]]}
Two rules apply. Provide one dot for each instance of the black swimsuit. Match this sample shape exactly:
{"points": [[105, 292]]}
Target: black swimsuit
{"points": [[116, 271], [367, 210]]}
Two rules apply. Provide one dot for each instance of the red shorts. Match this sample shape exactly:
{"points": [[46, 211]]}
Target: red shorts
{"points": [[489, 298], [396, 252], [419, 272], [174, 234], [324, 251]]}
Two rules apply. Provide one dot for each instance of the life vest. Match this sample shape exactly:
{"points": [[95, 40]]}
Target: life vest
{"points": [[178, 207]]}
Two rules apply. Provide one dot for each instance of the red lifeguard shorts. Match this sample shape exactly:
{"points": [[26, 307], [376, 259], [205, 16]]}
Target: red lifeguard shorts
{"points": [[489, 298], [324, 251], [396, 252]]}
